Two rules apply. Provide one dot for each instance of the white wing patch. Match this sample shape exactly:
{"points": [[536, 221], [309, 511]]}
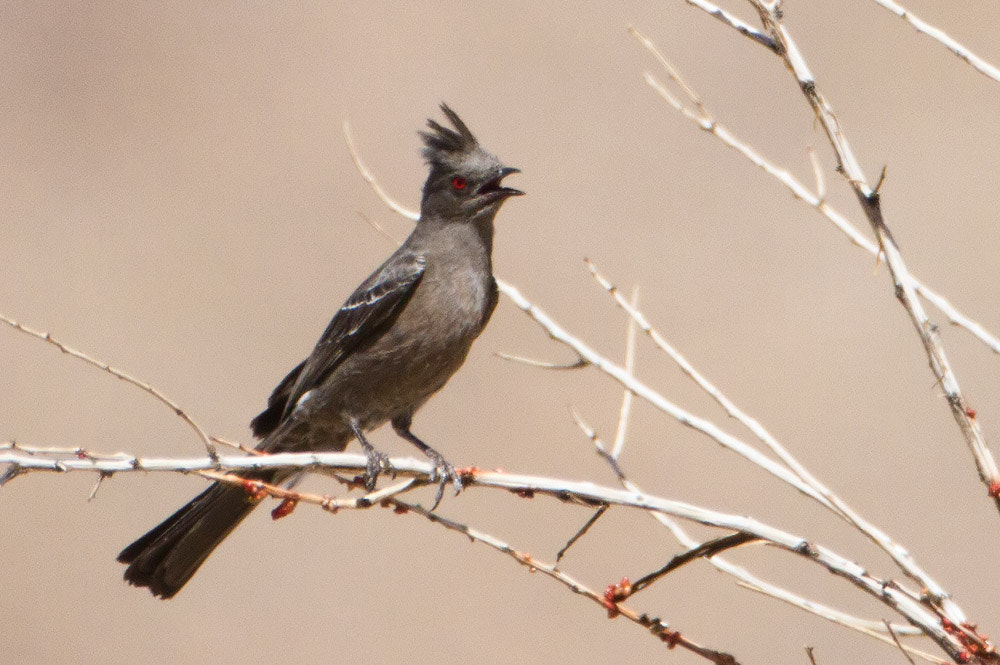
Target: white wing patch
{"points": [[301, 402], [370, 298]]}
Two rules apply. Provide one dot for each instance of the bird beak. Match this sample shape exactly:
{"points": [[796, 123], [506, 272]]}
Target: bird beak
{"points": [[495, 191]]}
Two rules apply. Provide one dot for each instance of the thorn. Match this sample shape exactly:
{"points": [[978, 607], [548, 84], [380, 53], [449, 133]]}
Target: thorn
{"points": [[97, 485], [881, 179], [577, 364], [12, 472]]}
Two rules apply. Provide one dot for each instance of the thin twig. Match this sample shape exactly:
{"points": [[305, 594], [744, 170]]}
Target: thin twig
{"points": [[579, 363], [119, 374], [378, 228], [748, 580], [903, 282], [980, 65], [627, 397], [370, 179], [833, 502], [704, 120], [705, 550], [732, 21], [620, 432], [581, 531], [657, 627], [899, 644]]}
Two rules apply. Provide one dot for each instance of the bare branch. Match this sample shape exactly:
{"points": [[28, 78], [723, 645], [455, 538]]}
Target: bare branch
{"points": [[656, 627], [832, 501], [706, 550], [119, 374], [708, 123], [581, 532], [378, 228], [899, 644], [629, 382], [626, 410], [542, 364], [370, 179], [582, 493], [733, 22], [941, 36], [904, 283], [748, 580]]}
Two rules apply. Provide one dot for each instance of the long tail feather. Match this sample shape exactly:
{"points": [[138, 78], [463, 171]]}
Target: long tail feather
{"points": [[169, 555]]}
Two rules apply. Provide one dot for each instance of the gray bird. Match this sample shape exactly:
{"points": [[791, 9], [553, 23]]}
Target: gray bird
{"points": [[395, 342]]}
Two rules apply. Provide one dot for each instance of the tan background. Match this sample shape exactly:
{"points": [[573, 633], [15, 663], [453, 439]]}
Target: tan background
{"points": [[177, 199]]}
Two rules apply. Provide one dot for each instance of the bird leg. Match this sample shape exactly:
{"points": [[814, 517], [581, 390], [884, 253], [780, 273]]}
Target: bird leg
{"points": [[377, 462], [443, 471]]}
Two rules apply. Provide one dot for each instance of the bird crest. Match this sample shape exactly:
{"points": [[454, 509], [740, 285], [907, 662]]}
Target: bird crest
{"points": [[443, 144]]}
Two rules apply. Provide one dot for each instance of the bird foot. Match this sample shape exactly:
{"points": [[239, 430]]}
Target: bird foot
{"points": [[377, 464], [443, 472]]}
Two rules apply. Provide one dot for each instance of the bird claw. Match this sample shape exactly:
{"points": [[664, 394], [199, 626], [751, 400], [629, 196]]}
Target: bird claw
{"points": [[377, 464], [442, 473]]}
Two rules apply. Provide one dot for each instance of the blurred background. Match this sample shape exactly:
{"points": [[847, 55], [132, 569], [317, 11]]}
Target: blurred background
{"points": [[177, 200]]}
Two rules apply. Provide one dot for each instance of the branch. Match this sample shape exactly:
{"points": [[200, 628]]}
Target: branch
{"points": [[870, 202], [941, 36], [748, 580], [732, 21], [117, 373], [708, 123], [370, 179], [833, 502], [657, 627], [587, 355], [892, 594], [629, 382], [907, 602]]}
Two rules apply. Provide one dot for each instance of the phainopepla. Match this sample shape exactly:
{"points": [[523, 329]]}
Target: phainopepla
{"points": [[396, 341]]}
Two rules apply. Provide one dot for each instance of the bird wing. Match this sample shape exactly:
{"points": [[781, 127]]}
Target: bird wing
{"points": [[366, 315]]}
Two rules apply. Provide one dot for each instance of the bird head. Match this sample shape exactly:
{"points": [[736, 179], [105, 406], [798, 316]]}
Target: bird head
{"points": [[465, 180]]}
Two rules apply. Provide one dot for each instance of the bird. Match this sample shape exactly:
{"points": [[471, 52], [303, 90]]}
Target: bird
{"points": [[395, 342]]}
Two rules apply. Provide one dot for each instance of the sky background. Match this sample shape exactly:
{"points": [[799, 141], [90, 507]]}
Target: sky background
{"points": [[177, 199]]}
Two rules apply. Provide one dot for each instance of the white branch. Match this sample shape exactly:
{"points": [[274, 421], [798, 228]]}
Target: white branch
{"points": [[907, 602], [941, 36], [584, 493], [833, 502], [734, 22], [745, 578], [627, 397], [904, 283], [370, 179], [707, 122], [629, 382]]}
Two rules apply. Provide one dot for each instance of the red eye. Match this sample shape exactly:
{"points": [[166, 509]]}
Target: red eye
{"points": [[458, 182]]}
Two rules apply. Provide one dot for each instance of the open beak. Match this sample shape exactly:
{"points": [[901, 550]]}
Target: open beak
{"points": [[495, 191]]}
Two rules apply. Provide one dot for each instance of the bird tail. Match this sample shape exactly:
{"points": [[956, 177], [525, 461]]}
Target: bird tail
{"points": [[169, 555]]}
